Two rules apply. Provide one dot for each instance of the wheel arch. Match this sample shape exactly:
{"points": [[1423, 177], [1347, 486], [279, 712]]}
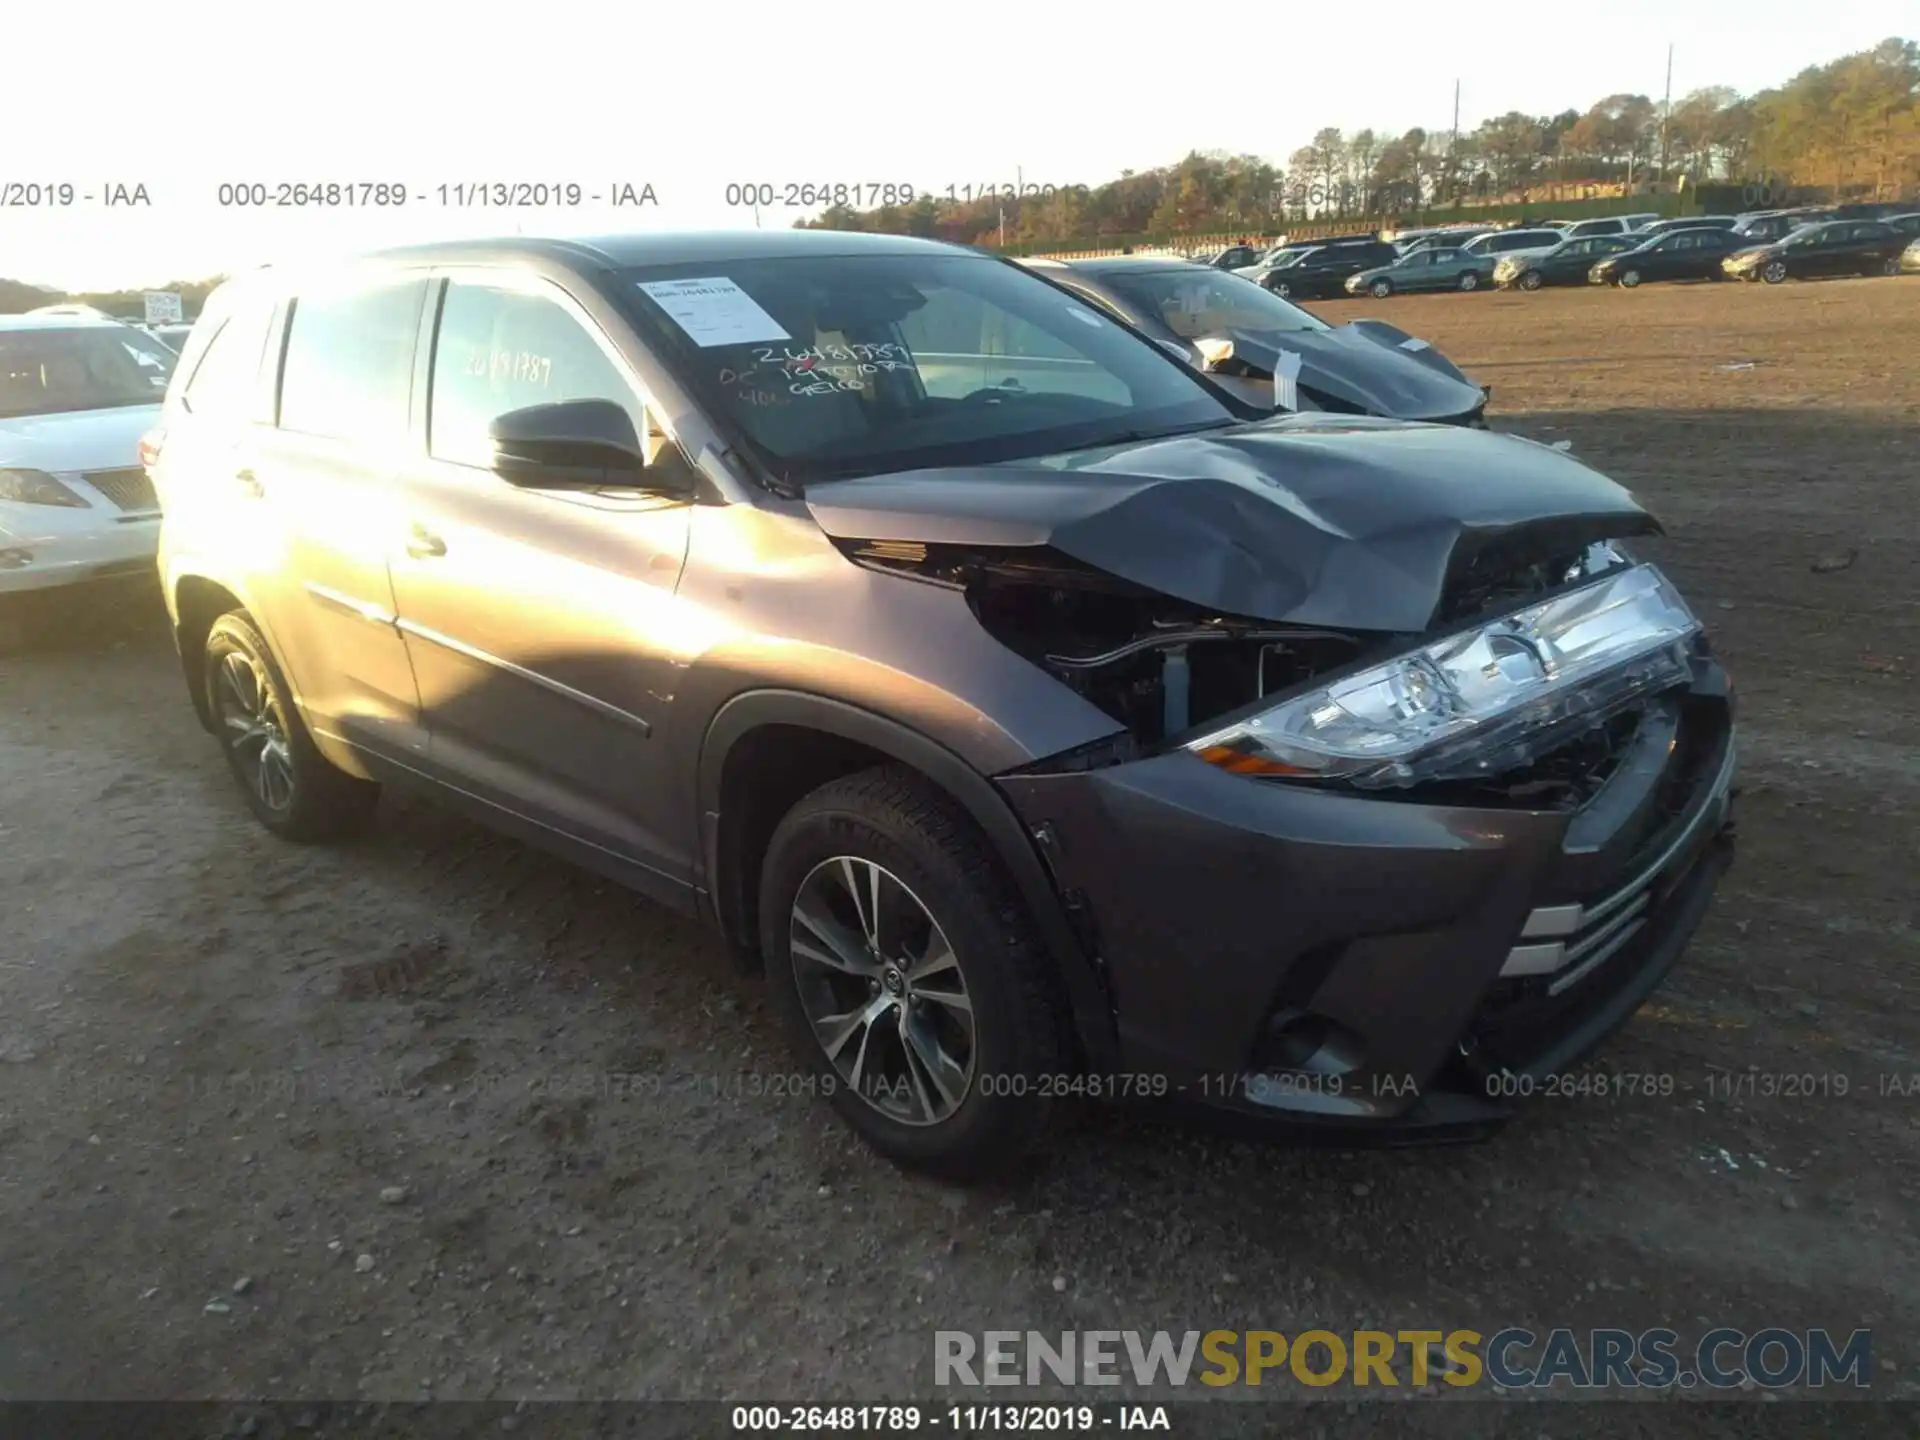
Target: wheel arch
{"points": [[196, 601], [765, 749]]}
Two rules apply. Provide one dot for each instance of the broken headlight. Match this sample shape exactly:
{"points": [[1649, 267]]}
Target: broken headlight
{"points": [[1478, 701]]}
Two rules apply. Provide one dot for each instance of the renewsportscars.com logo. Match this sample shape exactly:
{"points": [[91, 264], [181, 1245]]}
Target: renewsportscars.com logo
{"points": [[1513, 1358]]}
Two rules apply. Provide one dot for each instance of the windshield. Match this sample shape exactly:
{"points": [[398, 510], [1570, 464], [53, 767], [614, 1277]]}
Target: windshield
{"points": [[845, 365], [54, 371], [1193, 303]]}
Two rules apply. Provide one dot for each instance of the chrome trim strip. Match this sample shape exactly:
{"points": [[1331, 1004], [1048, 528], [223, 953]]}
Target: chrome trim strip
{"points": [[359, 609], [532, 677], [1597, 934], [1551, 920], [1604, 953], [1534, 960]]}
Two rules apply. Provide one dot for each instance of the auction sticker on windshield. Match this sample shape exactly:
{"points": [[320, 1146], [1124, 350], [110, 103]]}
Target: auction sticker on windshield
{"points": [[714, 311]]}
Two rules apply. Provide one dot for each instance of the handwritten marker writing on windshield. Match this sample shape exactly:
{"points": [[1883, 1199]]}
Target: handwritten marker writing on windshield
{"points": [[1286, 371]]}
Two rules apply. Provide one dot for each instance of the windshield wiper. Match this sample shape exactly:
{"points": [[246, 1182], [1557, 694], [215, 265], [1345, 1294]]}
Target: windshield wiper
{"points": [[1134, 437]]}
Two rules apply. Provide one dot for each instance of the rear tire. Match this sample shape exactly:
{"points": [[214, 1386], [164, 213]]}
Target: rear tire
{"points": [[292, 789], [933, 1085]]}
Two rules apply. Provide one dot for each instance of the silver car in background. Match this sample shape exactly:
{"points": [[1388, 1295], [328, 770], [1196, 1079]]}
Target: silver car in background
{"points": [[77, 393]]}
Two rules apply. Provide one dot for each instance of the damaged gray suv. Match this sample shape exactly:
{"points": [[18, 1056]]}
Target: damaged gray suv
{"points": [[1043, 720]]}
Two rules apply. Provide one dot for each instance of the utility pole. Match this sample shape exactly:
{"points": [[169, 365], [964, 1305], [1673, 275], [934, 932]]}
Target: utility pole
{"points": [[1453, 148], [1666, 112]]}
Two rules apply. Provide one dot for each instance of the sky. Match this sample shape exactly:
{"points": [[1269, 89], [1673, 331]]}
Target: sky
{"points": [[689, 99]]}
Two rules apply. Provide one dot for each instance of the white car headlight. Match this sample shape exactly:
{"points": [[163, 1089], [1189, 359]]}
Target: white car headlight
{"points": [[1478, 701], [36, 487]]}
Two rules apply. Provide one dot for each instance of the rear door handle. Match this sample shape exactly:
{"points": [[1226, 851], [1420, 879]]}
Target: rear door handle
{"points": [[424, 545], [250, 483]]}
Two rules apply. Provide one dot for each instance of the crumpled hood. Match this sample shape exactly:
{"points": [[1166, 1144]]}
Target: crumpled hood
{"points": [[1347, 522], [78, 439], [1365, 363]]}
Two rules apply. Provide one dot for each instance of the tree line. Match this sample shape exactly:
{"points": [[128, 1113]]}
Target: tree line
{"points": [[1847, 129]]}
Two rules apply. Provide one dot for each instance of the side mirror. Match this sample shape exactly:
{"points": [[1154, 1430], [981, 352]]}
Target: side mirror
{"points": [[585, 445], [1214, 353]]}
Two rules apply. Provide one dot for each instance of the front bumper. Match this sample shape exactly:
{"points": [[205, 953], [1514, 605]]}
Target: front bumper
{"points": [[1353, 963], [44, 546]]}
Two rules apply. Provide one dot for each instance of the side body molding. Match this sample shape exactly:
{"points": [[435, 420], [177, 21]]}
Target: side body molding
{"points": [[1092, 1014]]}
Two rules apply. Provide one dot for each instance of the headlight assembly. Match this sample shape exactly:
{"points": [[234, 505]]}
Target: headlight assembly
{"points": [[36, 487], [1478, 701]]}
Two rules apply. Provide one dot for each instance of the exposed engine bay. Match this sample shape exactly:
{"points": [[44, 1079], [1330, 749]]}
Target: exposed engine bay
{"points": [[1161, 666]]}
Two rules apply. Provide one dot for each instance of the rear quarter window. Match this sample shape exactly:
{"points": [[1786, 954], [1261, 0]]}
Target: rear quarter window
{"points": [[226, 380]]}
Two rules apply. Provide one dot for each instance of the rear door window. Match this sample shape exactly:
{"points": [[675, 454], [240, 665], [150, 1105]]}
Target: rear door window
{"points": [[348, 373]]}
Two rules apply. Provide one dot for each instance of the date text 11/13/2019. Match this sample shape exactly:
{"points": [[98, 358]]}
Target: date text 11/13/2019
{"points": [[869, 194], [453, 194]]}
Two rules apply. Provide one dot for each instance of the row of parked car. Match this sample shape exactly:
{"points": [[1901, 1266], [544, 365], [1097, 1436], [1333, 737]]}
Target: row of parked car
{"points": [[1623, 250]]}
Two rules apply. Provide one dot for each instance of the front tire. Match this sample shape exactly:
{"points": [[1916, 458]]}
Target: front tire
{"points": [[1530, 280], [292, 789], [1775, 272], [910, 976], [1629, 279], [1889, 266], [1380, 289]]}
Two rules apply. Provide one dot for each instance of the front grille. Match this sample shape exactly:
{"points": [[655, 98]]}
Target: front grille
{"points": [[128, 489]]}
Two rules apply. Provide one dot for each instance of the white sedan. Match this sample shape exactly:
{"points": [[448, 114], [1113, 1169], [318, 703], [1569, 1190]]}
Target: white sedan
{"points": [[76, 395]]}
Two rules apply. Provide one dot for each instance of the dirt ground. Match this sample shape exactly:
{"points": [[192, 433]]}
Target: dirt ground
{"points": [[220, 1054]]}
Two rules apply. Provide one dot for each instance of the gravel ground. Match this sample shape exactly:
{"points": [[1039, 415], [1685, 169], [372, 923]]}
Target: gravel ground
{"points": [[338, 1122]]}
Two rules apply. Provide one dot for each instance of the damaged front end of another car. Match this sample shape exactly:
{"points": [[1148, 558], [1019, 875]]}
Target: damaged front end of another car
{"points": [[1418, 780]]}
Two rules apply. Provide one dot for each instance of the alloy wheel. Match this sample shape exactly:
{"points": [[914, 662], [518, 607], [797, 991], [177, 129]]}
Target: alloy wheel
{"points": [[1380, 289], [1469, 280], [255, 730], [882, 990], [1774, 273], [1889, 267], [1530, 280], [1629, 278]]}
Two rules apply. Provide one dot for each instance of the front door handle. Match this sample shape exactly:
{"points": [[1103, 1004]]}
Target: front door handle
{"points": [[425, 545]]}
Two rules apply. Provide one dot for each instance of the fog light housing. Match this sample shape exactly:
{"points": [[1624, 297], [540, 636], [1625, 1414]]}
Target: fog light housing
{"points": [[1301, 1042]]}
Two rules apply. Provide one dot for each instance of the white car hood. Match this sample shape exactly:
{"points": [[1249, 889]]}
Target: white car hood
{"points": [[78, 439]]}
